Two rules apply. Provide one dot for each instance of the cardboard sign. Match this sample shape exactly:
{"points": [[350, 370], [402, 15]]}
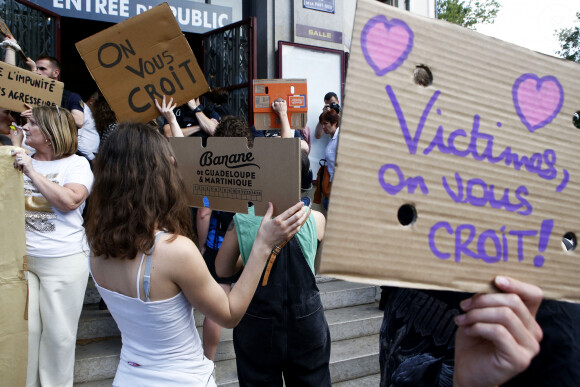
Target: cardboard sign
{"points": [[13, 326], [226, 175], [447, 185], [4, 30], [19, 86], [293, 91], [140, 60]]}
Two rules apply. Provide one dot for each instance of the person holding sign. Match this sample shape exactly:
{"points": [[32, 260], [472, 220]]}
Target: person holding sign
{"points": [[284, 333], [150, 273], [49, 67], [10, 132], [211, 229], [447, 338], [56, 185], [193, 121]]}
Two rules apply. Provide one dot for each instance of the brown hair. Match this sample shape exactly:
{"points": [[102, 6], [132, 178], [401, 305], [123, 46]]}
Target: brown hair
{"points": [[330, 116], [231, 126], [103, 115], [137, 190], [58, 127], [53, 61]]}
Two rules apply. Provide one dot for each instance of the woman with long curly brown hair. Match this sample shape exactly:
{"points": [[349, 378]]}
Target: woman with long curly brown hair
{"points": [[150, 273]]}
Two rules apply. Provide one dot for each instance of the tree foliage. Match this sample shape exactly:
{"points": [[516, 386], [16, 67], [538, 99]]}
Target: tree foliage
{"points": [[468, 13], [570, 41]]}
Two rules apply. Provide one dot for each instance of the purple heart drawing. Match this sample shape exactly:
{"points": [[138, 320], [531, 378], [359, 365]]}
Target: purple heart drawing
{"points": [[537, 100], [386, 44]]}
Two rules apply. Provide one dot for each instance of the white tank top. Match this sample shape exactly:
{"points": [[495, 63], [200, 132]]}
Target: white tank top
{"points": [[161, 345]]}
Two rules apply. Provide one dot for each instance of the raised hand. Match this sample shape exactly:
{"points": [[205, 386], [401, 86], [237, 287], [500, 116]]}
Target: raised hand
{"points": [[278, 230], [498, 335]]}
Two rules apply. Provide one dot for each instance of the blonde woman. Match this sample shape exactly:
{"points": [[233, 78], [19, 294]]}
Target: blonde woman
{"points": [[56, 185]]}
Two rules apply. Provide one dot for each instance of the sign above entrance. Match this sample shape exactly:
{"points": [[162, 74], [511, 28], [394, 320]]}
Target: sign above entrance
{"points": [[192, 16]]}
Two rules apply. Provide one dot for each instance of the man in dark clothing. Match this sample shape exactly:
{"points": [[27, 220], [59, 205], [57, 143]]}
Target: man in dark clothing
{"points": [[418, 341], [49, 67], [193, 121]]}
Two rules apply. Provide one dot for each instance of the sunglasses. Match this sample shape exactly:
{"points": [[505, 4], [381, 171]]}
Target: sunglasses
{"points": [[41, 68]]}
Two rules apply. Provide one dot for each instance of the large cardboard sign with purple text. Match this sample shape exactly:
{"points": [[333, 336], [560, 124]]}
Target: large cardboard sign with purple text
{"points": [[140, 60], [475, 174], [227, 175]]}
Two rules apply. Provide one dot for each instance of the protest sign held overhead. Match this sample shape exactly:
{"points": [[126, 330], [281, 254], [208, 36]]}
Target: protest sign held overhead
{"points": [[140, 60], [19, 86], [226, 175], [457, 160], [266, 91]]}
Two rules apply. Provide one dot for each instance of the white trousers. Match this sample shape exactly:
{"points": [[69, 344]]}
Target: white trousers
{"points": [[56, 290]]}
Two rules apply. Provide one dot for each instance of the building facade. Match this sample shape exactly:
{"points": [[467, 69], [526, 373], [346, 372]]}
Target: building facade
{"points": [[235, 41]]}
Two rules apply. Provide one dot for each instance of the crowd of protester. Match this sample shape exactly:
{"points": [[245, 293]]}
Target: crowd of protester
{"points": [[153, 260]]}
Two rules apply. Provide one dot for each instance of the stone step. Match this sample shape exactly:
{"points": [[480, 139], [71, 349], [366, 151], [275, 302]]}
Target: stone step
{"points": [[97, 360], [334, 294], [354, 321], [97, 383], [92, 294], [95, 323], [339, 294], [366, 381], [344, 323], [354, 358], [99, 357], [349, 359], [350, 309]]}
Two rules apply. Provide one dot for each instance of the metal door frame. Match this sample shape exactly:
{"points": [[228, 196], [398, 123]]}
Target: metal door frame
{"points": [[33, 50], [213, 81]]}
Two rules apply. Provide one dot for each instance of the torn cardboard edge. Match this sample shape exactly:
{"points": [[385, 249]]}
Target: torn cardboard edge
{"points": [[226, 175]]}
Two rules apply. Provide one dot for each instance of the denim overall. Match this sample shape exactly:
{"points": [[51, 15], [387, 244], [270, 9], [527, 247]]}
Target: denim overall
{"points": [[284, 330]]}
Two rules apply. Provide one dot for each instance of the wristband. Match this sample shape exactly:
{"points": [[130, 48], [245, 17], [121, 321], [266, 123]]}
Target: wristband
{"points": [[10, 44], [198, 109]]}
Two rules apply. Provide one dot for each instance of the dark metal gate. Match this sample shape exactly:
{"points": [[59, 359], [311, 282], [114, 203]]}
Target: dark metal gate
{"points": [[36, 29], [229, 61]]}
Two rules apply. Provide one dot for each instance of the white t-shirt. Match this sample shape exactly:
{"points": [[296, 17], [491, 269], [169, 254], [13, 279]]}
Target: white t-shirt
{"points": [[88, 136], [51, 233]]}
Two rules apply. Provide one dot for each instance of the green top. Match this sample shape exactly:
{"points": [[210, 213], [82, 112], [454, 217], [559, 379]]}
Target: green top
{"points": [[247, 226]]}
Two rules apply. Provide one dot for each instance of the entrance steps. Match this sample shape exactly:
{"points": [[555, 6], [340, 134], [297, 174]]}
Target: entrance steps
{"points": [[351, 311]]}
